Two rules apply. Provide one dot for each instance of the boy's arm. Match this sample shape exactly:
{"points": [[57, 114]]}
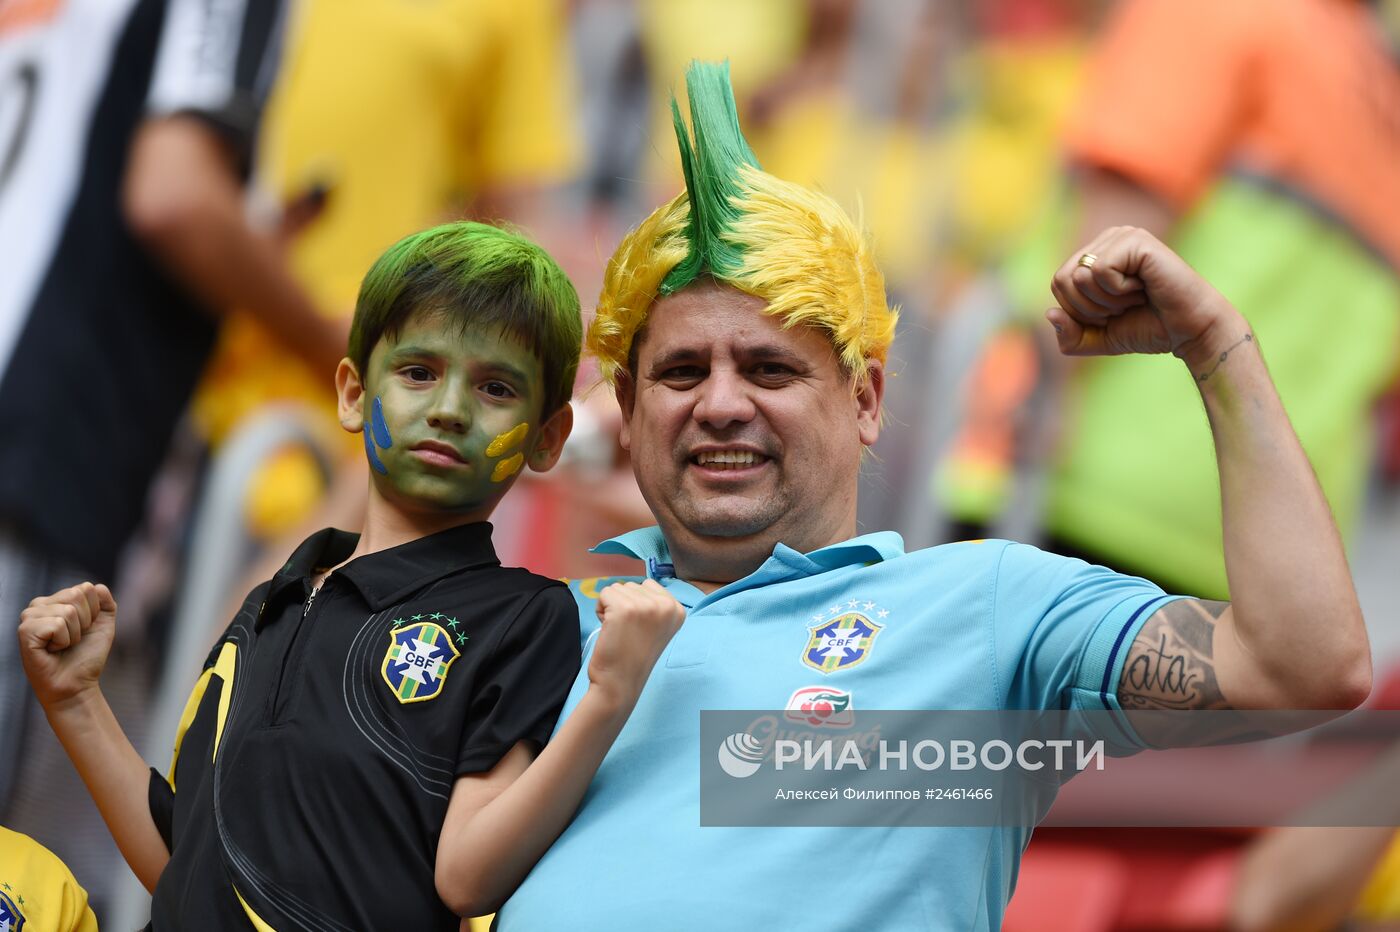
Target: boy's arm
{"points": [[501, 822], [64, 641], [116, 777]]}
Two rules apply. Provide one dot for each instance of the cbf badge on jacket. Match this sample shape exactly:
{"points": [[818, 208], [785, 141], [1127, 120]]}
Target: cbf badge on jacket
{"points": [[419, 655]]}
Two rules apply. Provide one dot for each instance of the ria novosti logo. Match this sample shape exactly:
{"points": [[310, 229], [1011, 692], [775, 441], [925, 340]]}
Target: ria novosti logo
{"points": [[741, 754]]}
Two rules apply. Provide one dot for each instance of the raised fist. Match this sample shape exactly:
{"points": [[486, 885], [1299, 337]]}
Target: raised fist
{"points": [[64, 640], [639, 620], [1125, 292]]}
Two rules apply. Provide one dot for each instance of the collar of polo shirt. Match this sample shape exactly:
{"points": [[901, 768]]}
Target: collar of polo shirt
{"points": [[649, 545], [386, 576]]}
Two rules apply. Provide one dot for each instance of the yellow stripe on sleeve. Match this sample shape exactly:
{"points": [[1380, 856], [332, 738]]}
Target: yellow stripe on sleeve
{"points": [[224, 669], [187, 717]]}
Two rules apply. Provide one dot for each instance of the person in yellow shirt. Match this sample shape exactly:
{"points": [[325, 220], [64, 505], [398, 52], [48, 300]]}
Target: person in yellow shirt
{"points": [[37, 891]]}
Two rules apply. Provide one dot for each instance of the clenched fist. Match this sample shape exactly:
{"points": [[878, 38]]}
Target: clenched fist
{"points": [[639, 620], [1125, 292], [64, 640]]}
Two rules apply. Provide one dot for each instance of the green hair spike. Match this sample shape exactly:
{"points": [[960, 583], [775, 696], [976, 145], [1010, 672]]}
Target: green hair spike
{"points": [[712, 164]]}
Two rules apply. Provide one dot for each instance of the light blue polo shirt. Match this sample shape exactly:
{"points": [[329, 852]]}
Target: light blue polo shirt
{"points": [[976, 625]]}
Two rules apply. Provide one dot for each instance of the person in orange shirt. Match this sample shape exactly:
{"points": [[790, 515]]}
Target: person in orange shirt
{"points": [[1278, 184]]}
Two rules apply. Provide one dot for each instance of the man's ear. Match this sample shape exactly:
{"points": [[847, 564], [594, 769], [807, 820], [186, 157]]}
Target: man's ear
{"points": [[350, 395], [549, 442], [870, 395], [625, 390]]}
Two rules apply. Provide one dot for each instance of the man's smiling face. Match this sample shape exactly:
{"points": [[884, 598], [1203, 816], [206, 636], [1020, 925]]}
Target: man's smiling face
{"points": [[443, 412], [742, 432]]}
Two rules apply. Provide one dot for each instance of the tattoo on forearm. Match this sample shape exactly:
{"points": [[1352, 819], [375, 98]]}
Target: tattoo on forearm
{"points": [[1247, 338], [1171, 664]]}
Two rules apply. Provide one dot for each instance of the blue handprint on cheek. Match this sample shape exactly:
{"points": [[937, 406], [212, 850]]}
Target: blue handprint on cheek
{"points": [[380, 430]]}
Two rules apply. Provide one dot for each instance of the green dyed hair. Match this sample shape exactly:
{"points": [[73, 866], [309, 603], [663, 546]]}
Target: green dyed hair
{"points": [[475, 275], [793, 247], [711, 168]]}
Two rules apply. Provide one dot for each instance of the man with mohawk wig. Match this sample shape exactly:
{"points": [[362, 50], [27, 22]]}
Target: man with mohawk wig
{"points": [[744, 329], [738, 225]]}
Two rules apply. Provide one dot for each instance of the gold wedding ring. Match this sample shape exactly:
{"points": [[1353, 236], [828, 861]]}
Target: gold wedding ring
{"points": [[1087, 260]]}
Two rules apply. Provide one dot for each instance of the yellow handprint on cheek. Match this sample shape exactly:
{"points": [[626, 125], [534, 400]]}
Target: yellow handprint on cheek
{"points": [[511, 438], [507, 467], [503, 442]]}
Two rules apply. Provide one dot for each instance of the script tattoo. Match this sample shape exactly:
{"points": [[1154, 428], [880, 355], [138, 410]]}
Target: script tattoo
{"points": [[1171, 664], [1171, 669]]}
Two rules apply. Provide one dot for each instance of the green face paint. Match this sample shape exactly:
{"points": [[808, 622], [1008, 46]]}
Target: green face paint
{"points": [[451, 402]]}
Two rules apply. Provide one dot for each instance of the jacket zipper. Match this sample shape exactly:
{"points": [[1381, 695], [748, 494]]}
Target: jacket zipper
{"points": [[293, 652]]}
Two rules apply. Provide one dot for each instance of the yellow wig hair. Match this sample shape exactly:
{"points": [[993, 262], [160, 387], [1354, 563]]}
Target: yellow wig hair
{"points": [[794, 248]]}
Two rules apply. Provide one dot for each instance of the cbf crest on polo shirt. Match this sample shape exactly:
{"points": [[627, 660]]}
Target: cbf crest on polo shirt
{"points": [[420, 653], [844, 639], [11, 919]]}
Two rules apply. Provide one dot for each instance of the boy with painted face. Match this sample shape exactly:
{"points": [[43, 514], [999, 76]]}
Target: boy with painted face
{"points": [[461, 363], [384, 682]]}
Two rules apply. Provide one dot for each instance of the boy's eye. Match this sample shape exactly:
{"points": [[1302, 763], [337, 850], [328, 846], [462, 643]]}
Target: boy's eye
{"points": [[418, 374], [498, 390]]}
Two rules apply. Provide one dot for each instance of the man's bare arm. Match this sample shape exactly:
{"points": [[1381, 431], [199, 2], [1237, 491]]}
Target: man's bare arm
{"points": [[1293, 636], [184, 201]]}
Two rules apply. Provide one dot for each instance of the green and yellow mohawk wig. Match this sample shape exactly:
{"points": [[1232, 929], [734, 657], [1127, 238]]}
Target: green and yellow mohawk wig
{"points": [[794, 248]]}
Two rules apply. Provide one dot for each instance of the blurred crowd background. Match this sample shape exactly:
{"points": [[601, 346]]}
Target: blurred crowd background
{"points": [[981, 142]]}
